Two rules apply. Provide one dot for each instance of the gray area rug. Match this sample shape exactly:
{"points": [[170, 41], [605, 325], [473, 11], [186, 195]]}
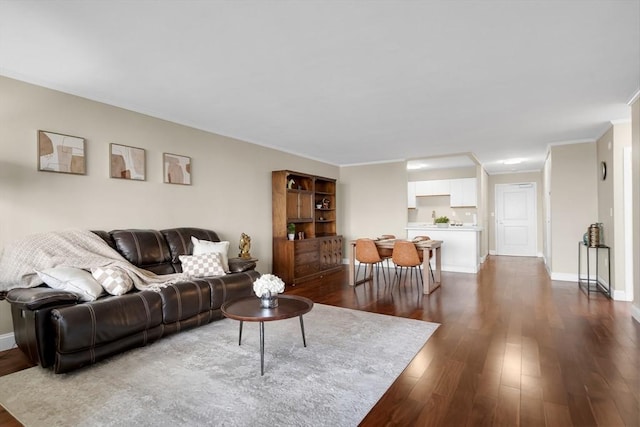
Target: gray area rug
{"points": [[202, 377]]}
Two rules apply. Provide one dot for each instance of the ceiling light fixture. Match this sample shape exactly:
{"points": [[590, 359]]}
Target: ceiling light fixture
{"points": [[512, 162]]}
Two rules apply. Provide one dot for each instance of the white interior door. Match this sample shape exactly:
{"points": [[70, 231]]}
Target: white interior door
{"points": [[516, 219]]}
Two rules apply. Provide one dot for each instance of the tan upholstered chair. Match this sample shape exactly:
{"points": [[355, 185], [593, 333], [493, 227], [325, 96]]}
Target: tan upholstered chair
{"points": [[405, 255], [367, 255], [385, 253]]}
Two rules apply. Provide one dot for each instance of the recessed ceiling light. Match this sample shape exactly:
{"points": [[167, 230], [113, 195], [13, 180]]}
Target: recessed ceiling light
{"points": [[512, 162], [413, 166]]}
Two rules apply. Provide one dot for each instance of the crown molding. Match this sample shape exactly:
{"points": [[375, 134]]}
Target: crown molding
{"points": [[634, 98]]}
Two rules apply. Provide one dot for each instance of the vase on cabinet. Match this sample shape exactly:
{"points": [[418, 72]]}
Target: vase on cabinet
{"points": [[291, 236]]}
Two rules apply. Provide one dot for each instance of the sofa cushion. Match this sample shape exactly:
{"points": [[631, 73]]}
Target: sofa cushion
{"points": [[74, 280], [145, 249], [185, 299], [205, 265], [114, 280], [95, 323], [179, 241]]}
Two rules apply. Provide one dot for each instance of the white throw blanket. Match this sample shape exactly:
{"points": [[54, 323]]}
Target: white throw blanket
{"points": [[72, 248]]}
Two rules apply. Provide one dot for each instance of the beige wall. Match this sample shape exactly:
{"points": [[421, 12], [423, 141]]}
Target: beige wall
{"points": [[546, 212], [454, 173], [610, 149], [574, 204], [374, 199], [635, 144], [483, 211], [604, 150], [231, 191], [514, 178]]}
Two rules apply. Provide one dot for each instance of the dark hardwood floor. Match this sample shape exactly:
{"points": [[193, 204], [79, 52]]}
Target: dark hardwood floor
{"points": [[513, 349]]}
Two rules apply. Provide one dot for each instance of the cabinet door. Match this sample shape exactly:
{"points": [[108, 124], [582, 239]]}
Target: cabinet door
{"points": [[457, 196], [305, 205], [470, 191], [440, 187], [434, 187], [423, 188], [411, 195], [330, 252], [463, 192], [299, 205]]}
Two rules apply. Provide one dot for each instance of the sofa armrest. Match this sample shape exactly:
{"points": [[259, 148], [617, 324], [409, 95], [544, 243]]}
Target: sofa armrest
{"points": [[40, 297], [238, 265]]}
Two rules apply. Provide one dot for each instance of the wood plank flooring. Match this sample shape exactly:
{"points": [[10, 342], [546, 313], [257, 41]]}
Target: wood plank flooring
{"points": [[513, 349]]}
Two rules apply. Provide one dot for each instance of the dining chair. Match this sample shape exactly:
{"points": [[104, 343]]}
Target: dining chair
{"points": [[405, 255], [367, 254], [420, 253], [385, 253]]}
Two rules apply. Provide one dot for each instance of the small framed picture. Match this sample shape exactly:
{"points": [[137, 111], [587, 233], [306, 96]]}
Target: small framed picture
{"points": [[61, 153], [177, 169], [127, 162]]}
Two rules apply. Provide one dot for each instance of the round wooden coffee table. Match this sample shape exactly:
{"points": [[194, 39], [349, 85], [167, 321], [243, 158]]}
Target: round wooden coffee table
{"points": [[248, 310]]}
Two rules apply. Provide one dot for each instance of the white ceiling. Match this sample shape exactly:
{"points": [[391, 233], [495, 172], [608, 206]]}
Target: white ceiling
{"points": [[345, 82]]}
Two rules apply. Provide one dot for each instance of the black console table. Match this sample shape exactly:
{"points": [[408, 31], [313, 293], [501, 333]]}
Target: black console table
{"points": [[587, 282]]}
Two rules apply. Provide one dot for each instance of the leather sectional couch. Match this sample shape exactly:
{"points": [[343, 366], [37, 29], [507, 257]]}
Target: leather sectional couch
{"points": [[55, 330]]}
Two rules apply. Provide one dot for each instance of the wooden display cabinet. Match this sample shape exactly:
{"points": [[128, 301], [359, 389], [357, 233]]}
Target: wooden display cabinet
{"points": [[308, 202]]}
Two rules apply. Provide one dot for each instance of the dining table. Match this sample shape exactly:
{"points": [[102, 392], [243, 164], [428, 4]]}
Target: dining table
{"points": [[426, 246]]}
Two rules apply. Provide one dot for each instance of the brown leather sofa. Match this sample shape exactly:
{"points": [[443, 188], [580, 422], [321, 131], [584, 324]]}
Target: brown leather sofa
{"points": [[55, 330]]}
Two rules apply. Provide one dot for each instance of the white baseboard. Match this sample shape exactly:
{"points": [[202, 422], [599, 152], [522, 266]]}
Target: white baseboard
{"points": [[564, 277], [7, 341], [539, 254], [635, 312], [483, 259], [620, 296]]}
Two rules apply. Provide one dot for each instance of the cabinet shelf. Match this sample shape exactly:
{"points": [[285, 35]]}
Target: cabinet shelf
{"points": [[299, 220]]}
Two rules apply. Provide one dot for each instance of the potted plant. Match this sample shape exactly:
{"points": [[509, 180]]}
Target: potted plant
{"points": [[442, 221], [291, 231]]}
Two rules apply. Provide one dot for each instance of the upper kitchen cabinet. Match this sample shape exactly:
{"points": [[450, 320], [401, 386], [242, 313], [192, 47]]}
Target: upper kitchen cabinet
{"points": [[434, 187], [411, 195], [464, 192]]}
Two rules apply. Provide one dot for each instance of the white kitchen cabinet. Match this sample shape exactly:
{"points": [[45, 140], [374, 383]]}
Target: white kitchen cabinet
{"points": [[436, 187], [411, 195], [463, 192]]}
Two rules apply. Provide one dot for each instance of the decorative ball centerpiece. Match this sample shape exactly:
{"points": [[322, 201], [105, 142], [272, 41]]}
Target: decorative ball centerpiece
{"points": [[267, 287]]}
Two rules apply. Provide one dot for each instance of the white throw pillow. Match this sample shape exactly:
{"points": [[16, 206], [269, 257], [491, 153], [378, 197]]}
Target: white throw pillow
{"points": [[206, 247], [204, 265], [114, 280], [74, 280]]}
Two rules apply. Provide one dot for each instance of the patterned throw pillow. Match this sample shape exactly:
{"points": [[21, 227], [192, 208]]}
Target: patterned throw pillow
{"points": [[205, 265], [114, 280], [206, 247]]}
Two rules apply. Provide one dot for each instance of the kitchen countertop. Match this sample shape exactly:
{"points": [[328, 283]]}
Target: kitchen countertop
{"points": [[426, 226]]}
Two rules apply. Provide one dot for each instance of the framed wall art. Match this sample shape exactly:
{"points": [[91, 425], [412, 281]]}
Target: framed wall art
{"points": [[177, 169], [61, 153], [127, 162]]}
